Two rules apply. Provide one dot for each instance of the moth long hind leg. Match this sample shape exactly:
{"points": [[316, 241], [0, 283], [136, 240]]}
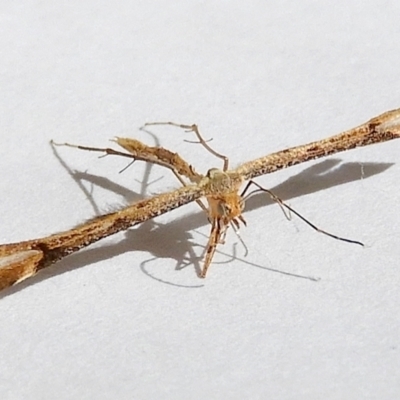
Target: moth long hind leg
{"points": [[164, 157], [157, 154], [138, 151], [154, 155], [194, 128]]}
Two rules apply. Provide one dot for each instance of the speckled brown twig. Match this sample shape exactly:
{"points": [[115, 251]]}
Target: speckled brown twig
{"points": [[19, 261]]}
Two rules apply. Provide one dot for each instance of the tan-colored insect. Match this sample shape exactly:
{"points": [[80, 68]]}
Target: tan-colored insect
{"points": [[221, 188]]}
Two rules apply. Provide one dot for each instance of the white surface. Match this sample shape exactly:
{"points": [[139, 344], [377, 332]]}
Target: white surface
{"points": [[118, 321]]}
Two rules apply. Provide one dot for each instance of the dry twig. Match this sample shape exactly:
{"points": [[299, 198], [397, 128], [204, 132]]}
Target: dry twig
{"points": [[221, 188]]}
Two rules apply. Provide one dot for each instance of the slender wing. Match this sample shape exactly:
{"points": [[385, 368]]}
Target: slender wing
{"points": [[379, 129], [19, 261]]}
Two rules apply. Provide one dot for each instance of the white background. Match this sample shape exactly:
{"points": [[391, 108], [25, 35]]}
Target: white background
{"points": [[122, 319]]}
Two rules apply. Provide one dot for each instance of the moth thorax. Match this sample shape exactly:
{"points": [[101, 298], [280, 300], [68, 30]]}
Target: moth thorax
{"points": [[223, 182]]}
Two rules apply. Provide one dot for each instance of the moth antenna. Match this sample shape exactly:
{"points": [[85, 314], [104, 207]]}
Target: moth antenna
{"points": [[235, 227]]}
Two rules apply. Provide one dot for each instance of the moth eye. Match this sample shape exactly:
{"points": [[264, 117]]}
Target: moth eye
{"points": [[211, 172]]}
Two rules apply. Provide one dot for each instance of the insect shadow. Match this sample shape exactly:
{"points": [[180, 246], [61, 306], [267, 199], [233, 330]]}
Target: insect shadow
{"points": [[174, 240]]}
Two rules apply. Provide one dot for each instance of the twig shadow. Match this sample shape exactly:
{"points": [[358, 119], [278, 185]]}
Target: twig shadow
{"points": [[321, 176], [173, 241]]}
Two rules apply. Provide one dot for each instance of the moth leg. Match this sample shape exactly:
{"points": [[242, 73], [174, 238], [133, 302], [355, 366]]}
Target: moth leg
{"points": [[138, 151], [283, 204], [213, 241], [194, 128]]}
